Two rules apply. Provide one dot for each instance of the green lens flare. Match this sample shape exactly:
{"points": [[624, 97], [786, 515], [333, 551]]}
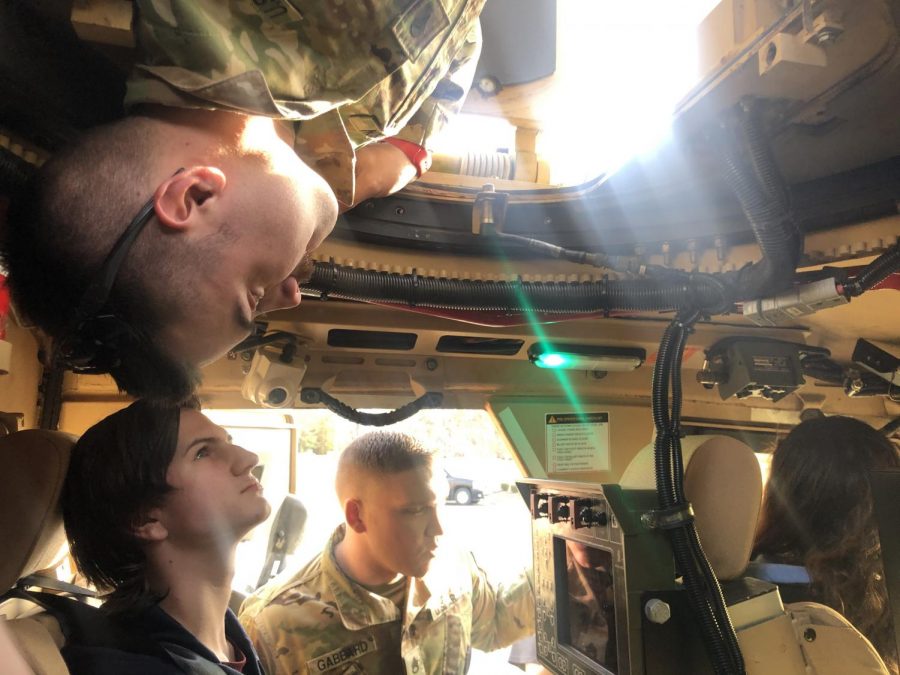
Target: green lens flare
{"points": [[552, 360]]}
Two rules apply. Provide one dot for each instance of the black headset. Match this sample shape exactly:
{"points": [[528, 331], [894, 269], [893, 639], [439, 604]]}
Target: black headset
{"points": [[93, 343]]}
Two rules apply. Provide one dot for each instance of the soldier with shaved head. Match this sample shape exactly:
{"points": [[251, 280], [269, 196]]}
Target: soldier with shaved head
{"points": [[252, 123], [383, 597]]}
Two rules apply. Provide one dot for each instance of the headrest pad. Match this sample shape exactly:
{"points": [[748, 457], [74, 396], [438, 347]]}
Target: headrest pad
{"points": [[34, 465], [723, 483]]}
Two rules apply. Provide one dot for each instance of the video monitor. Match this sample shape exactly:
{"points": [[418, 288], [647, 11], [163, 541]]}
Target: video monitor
{"points": [[585, 601]]}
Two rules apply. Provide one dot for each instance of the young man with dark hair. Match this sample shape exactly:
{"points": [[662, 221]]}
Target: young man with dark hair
{"points": [[253, 122], [383, 598], [155, 503]]}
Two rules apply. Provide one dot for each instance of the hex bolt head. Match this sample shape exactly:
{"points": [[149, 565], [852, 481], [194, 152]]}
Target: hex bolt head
{"points": [[657, 611]]}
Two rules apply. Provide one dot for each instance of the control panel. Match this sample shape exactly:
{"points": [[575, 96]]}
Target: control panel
{"points": [[588, 619]]}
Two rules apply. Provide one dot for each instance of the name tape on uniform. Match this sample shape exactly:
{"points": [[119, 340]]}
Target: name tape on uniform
{"points": [[325, 662]]}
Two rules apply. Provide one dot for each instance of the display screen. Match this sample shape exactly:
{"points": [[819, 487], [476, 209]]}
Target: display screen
{"points": [[585, 600]]}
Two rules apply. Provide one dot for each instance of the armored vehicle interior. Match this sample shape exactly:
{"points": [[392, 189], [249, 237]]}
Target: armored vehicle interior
{"points": [[651, 221]]}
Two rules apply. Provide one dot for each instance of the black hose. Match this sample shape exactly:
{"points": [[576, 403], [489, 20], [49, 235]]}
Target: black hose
{"points": [[751, 172], [891, 427], [660, 411], [426, 400], [516, 296], [684, 329], [703, 590], [875, 272]]}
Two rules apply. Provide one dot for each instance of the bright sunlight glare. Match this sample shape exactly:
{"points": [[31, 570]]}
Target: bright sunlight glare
{"points": [[622, 66]]}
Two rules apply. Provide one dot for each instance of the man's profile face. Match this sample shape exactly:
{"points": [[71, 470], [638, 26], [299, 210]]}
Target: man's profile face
{"points": [[275, 210], [402, 525], [215, 499]]}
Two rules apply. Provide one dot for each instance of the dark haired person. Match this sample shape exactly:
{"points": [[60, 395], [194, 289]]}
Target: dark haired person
{"points": [[817, 536], [383, 598], [278, 113], [155, 503]]}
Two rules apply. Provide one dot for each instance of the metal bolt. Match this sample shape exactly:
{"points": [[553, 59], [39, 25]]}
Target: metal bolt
{"points": [[826, 35], [399, 210], [719, 243], [648, 520], [431, 364], [657, 611], [692, 251], [809, 635]]}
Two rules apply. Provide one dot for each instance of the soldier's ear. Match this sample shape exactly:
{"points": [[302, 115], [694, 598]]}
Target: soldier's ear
{"points": [[353, 514], [184, 200]]}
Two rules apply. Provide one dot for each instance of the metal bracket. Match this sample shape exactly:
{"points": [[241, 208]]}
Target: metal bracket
{"points": [[823, 26], [670, 518], [489, 210]]}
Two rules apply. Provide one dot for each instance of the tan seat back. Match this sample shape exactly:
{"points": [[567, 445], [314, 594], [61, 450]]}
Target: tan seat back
{"points": [[34, 465], [722, 480], [39, 640]]}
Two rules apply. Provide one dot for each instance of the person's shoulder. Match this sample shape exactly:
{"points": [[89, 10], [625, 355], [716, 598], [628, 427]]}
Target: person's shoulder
{"points": [[297, 594]]}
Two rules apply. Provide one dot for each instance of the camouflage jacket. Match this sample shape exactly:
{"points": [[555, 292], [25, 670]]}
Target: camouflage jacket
{"points": [[347, 72], [320, 621]]}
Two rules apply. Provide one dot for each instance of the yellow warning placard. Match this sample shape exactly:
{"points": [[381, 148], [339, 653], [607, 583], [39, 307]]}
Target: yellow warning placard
{"points": [[577, 441]]}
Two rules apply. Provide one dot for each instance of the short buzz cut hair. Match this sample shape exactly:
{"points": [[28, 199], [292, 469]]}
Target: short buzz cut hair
{"points": [[382, 452], [61, 225]]}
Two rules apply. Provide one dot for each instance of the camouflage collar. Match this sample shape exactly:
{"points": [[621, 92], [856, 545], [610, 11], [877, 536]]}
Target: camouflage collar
{"points": [[358, 607]]}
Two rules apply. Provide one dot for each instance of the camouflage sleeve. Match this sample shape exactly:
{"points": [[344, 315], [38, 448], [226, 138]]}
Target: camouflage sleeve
{"points": [[449, 95], [250, 622], [503, 614], [263, 647]]}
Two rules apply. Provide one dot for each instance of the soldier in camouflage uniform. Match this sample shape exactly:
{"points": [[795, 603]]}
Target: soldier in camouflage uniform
{"points": [[258, 101], [350, 73], [382, 598]]}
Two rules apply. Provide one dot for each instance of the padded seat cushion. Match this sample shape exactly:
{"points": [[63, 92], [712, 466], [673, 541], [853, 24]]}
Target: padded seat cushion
{"points": [[33, 467], [39, 640]]}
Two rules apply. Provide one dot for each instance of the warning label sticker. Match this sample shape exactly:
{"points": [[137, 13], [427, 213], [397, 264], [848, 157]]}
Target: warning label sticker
{"points": [[577, 441]]}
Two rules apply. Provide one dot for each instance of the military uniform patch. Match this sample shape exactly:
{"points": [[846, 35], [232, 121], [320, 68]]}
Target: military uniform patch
{"points": [[340, 656]]}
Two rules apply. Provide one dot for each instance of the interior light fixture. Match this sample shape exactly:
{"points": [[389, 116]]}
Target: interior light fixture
{"points": [[585, 357]]}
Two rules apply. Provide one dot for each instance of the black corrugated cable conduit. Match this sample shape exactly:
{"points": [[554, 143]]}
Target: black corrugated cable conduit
{"points": [[515, 296], [751, 172], [874, 273], [703, 591]]}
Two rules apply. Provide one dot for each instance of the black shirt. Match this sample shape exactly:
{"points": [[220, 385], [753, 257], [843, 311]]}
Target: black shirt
{"points": [[151, 643]]}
